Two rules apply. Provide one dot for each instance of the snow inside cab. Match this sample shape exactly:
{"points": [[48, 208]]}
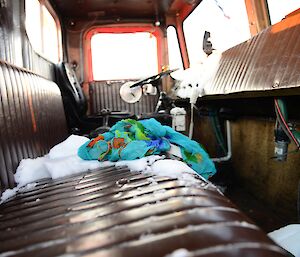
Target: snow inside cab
{"points": [[149, 127]]}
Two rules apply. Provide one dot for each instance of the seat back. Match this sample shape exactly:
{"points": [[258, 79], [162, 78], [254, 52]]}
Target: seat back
{"points": [[71, 90], [32, 119], [106, 94]]}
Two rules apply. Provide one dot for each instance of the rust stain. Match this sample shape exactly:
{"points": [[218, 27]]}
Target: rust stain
{"points": [[33, 120]]}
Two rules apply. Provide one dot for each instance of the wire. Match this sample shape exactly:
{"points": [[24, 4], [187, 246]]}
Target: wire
{"points": [[191, 129], [285, 124], [279, 123], [217, 131]]}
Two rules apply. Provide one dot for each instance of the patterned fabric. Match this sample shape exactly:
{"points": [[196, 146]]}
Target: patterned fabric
{"points": [[130, 139]]}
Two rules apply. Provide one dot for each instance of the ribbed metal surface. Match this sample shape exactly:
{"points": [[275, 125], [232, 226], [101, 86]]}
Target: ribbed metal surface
{"points": [[268, 61], [107, 95], [32, 118], [115, 212]]}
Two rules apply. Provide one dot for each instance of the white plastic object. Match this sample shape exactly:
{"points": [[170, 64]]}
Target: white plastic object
{"points": [[178, 118], [149, 89], [130, 95]]}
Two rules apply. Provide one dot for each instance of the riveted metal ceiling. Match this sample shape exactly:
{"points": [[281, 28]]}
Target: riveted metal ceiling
{"points": [[119, 9]]}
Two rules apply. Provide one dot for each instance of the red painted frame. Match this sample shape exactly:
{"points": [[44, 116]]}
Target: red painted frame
{"points": [[155, 31]]}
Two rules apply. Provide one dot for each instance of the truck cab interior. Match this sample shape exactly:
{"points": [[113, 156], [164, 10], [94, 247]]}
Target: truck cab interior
{"points": [[77, 67]]}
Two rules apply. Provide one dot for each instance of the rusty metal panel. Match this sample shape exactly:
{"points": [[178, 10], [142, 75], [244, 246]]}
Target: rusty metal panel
{"points": [[268, 61], [115, 212], [107, 95], [32, 118]]}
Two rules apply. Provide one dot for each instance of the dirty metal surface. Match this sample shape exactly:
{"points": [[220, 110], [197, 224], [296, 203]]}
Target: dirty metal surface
{"points": [[115, 212]]}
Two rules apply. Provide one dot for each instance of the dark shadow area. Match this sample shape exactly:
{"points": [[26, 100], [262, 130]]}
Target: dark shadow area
{"points": [[263, 215]]}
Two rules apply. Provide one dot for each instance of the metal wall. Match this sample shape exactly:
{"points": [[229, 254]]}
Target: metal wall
{"points": [[32, 119], [31, 113], [252, 167]]}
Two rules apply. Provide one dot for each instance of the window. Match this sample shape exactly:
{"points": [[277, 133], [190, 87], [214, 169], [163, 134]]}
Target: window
{"points": [[43, 31], [226, 20], [118, 56], [175, 60], [278, 9]]}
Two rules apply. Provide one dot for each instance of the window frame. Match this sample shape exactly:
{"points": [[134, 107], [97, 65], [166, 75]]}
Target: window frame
{"points": [[88, 66], [41, 52]]}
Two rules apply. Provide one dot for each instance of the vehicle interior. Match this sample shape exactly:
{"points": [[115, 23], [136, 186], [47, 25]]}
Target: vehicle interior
{"points": [[77, 67]]}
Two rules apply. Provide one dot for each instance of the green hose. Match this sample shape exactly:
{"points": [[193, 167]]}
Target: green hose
{"points": [[217, 130], [283, 109]]}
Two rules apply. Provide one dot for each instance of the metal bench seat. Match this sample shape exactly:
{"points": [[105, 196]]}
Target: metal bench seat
{"points": [[115, 212]]}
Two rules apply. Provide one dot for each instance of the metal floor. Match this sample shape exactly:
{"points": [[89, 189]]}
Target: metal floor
{"points": [[115, 212]]}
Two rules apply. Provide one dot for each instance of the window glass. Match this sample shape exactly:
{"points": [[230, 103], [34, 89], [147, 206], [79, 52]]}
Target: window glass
{"points": [[226, 20], [124, 55], [50, 36], [33, 23], [278, 9], [175, 60], [42, 30]]}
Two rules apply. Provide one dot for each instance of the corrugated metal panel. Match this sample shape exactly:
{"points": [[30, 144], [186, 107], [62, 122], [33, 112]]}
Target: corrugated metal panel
{"points": [[32, 118], [268, 61], [107, 95], [115, 212]]}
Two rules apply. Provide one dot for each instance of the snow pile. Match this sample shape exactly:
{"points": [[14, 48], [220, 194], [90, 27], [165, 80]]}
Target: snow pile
{"points": [[175, 169], [182, 252], [197, 78], [62, 161], [288, 238], [8, 193], [159, 166], [69, 147], [31, 170], [142, 164]]}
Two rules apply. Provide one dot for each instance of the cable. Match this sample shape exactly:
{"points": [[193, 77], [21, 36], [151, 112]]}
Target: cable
{"points": [[285, 124], [191, 122], [281, 124], [217, 131]]}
